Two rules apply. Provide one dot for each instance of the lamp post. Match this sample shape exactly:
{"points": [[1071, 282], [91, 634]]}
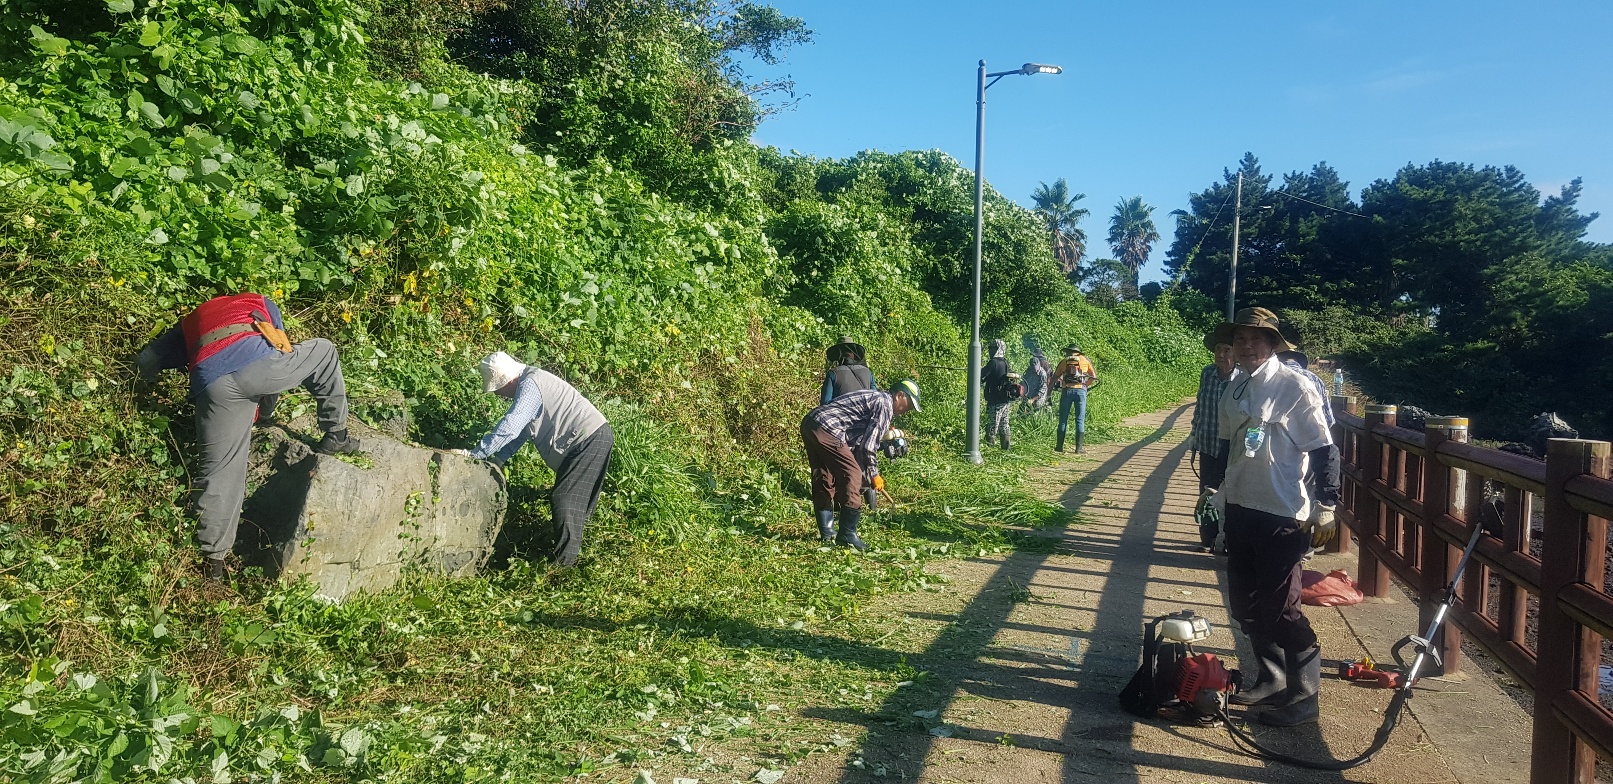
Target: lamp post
{"points": [[1028, 69]]}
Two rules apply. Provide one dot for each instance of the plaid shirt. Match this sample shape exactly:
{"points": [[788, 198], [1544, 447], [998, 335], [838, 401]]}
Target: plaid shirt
{"points": [[1206, 416], [859, 419]]}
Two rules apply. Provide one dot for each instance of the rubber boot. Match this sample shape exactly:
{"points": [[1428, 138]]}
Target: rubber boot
{"points": [[1271, 678], [1079, 437], [826, 526], [848, 529], [1300, 704], [1059, 447], [213, 569]]}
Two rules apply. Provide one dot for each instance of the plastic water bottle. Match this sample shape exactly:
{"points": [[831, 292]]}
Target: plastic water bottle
{"points": [[1338, 381], [1253, 439]]}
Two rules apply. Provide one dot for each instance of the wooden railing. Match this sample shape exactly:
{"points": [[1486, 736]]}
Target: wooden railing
{"points": [[1411, 499]]}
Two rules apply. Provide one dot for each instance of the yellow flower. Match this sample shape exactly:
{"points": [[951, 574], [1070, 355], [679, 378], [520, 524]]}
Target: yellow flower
{"points": [[469, 302], [347, 317], [672, 329], [279, 293]]}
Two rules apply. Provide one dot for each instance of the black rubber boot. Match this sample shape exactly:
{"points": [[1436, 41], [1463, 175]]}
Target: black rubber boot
{"points": [[1059, 446], [1271, 675], [1079, 437], [848, 529], [826, 526], [337, 442], [1300, 703], [213, 569]]}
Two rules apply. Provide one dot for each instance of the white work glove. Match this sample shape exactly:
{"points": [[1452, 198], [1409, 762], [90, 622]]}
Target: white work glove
{"points": [[461, 452], [1322, 525]]}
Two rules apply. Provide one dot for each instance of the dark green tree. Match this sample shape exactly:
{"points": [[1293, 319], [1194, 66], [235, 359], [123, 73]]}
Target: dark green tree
{"points": [[651, 85]]}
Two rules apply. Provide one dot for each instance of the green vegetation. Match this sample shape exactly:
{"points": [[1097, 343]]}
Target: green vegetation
{"points": [[1450, 286], [423, 183]]}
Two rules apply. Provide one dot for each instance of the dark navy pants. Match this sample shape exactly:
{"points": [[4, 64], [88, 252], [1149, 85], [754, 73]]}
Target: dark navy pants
{"points": [[1264, 556]]}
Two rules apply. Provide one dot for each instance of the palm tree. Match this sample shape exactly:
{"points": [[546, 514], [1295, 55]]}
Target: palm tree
{"points": [[1132, 236], [1057, 208]]}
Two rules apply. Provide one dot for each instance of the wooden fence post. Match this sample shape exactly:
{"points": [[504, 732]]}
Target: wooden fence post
{"points": [[1374, 575], [1568, 654], [1345, 404], [1438, 557]]}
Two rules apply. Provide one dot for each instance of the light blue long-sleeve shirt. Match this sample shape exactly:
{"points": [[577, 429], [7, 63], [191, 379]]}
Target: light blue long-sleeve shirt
{"points": [[511, 432]]}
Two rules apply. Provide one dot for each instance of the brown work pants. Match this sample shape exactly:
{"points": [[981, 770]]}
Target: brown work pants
{"points": [[837, 478]]}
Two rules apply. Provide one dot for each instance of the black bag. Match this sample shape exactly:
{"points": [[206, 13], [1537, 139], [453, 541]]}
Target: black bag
{"points": [[1154, 684], [1007, 387]]}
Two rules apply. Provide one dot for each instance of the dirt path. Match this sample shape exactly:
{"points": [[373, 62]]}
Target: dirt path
{"points": [[1033, 646]]}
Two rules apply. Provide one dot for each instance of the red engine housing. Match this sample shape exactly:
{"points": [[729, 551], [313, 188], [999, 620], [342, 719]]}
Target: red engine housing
{"points": [[1201, 672]]}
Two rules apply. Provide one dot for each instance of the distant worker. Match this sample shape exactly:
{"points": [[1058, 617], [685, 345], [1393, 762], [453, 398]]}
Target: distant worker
{"points": [[1075, 376], [1036, 383], [571, 436], [1271, 416], [848, 370], [1207, 443], [240, 361], [997, 378], [1297, 360], [842, 440]]}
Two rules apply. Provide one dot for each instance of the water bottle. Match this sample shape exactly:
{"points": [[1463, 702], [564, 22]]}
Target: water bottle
{"points": [[1253, 439], [1338, 381]]}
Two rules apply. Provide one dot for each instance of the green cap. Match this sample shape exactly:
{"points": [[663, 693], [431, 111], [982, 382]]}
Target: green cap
{"points": [[910, 388]]}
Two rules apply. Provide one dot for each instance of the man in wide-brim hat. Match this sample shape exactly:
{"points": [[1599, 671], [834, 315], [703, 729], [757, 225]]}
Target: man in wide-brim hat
{"points": [[1271, 416], [1074, 377]]}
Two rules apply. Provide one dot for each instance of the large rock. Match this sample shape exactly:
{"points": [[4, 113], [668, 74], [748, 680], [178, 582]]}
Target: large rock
{"points": [[357, 524]]}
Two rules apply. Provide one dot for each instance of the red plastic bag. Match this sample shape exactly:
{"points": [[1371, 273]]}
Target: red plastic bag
{"points": [[1334, 589]]}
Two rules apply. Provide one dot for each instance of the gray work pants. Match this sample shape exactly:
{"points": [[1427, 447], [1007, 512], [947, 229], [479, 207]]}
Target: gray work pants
{"points": [[224, 415], [577, 482]]}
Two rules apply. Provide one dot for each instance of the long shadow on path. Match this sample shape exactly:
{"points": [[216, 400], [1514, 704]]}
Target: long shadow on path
{"points": [[1022, 672]]}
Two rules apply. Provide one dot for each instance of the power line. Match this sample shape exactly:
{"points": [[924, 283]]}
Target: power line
{"points": [[1318, 204], [1181, 272]]}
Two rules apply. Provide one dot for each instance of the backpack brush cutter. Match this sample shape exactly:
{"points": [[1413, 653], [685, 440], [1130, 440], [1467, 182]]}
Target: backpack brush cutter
{"points": [[1173, 679]]}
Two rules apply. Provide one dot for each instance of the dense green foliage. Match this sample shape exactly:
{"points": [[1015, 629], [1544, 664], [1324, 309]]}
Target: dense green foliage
{"points": [[1452, 287], [423, 183]]}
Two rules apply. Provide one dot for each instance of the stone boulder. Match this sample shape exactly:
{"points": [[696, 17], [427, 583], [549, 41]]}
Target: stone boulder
{"points": [[355, 523], [1544, 427]]}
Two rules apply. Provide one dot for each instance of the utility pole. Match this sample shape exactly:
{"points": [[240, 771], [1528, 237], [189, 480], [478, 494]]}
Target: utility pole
{"points": [[1232, 271]]}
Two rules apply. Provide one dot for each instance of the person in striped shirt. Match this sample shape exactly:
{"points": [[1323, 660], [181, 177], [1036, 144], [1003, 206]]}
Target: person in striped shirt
{"points": [[842, 441]]}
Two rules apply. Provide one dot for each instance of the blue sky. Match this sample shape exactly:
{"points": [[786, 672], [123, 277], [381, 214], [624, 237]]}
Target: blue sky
{"points": [[1157, 98]]}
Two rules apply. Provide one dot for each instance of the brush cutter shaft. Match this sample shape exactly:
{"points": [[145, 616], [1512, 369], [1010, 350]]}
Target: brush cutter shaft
{"points": [[1402, 693]]}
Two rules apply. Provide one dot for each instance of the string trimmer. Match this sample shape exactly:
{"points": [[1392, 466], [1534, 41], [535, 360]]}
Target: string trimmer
{"points": [[1197, 685]]}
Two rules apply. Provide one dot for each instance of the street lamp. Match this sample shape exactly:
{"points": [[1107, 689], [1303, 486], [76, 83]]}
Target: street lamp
{"points": [[1028, 69]]}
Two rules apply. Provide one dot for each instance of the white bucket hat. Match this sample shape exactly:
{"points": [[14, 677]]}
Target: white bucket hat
{"points": [[498, 370]]}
